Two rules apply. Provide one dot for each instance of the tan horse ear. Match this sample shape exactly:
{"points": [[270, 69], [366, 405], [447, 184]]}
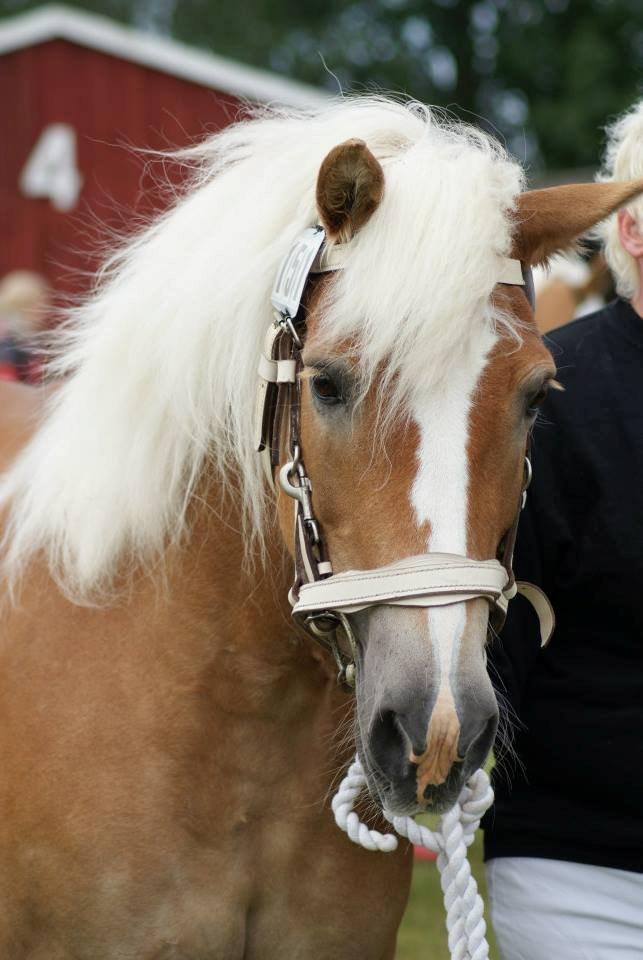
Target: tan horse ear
{"points": [[350, 186], [549, 220]]}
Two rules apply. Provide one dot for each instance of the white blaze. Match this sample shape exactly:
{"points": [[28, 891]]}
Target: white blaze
{"points": [[440, 494]]}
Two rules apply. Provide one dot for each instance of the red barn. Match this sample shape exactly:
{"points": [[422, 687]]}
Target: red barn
{"points": [[78, 94]]}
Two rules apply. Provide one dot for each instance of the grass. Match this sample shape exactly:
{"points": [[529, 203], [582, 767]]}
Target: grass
{"points": [[423, 931]]}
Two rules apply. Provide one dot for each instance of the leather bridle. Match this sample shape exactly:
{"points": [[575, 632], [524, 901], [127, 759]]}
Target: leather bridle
{"points": [[323, 601]]}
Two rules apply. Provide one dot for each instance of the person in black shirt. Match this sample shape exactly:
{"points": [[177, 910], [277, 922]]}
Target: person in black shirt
{"points": [[564, 841]]}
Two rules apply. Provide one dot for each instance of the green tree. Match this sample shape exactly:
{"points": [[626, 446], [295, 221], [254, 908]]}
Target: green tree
{"points": [[545, 74]]}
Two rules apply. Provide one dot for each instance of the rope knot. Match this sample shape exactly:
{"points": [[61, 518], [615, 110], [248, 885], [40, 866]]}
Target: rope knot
{"points": [[466, 927]]}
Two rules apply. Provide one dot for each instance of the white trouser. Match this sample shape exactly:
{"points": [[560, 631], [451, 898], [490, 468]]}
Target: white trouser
{"points": [[552, 910]]}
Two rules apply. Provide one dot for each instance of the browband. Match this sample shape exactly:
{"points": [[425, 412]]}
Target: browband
{"points": [[331, 258]]}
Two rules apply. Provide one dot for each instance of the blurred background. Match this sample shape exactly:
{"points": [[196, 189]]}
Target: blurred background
{"points": [[525, 66], [85, 85], [91, 91]]}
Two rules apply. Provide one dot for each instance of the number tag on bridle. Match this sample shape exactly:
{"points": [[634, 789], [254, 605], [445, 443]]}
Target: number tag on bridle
{"points": [[294, 270]]}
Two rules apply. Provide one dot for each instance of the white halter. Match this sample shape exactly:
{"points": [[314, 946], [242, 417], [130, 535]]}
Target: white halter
{"points": [[427, 580]]}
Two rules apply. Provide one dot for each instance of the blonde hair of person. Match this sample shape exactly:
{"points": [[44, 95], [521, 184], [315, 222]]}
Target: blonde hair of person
{"points": [[623, 159]]}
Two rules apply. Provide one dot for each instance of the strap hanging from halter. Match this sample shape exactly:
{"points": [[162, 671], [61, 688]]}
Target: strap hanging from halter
{"points": [[323, 601]]}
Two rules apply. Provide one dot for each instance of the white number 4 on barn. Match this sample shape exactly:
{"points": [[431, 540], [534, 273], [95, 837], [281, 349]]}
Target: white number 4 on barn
{"points": [[51, 169]]}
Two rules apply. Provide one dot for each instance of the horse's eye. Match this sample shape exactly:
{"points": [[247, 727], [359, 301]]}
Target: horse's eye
{"points": [[537, 399], [326, 389]]}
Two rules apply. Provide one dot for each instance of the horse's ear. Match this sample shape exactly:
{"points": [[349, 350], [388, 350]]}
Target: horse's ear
{"points": [[349, 188], [549, 220]]}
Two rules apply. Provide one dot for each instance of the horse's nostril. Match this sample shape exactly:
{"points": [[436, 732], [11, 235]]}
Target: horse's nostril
{"points": [[388, 733], [386, 740], [475, 751]]}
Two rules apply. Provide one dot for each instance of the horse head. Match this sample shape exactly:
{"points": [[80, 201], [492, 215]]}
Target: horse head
{"points": [[420, 451], [414, 382]]}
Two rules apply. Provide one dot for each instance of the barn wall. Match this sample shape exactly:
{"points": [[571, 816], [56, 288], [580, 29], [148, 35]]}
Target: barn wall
{"points": [[114, 106]]}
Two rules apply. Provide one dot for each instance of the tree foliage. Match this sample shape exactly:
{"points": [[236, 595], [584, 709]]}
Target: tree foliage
{"points": [[547, 75]]}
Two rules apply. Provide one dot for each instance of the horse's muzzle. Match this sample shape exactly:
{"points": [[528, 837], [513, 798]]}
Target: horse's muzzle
{"points": [[408, 778]]}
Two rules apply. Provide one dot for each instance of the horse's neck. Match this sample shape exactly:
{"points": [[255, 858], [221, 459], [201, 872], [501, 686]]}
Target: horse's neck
{"points": [[202, 658], [241, 618], [270, 698], [208, 733]]}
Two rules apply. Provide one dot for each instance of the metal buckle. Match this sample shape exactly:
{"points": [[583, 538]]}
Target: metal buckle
{"points": [[285, 321], [323, 627], [302, 492]]}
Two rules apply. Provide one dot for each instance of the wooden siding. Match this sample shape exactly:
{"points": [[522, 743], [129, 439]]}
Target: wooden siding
{"points": [[115, 107]]}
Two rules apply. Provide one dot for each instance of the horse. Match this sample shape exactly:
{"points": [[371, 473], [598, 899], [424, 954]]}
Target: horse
{"points": [[170, 736]]}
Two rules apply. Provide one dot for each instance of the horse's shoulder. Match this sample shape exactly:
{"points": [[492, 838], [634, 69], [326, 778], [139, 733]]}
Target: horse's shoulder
{"points": [[20, 409]]}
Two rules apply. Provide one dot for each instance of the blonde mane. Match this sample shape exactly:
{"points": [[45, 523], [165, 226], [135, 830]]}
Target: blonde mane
{"points": [[160, 363]]}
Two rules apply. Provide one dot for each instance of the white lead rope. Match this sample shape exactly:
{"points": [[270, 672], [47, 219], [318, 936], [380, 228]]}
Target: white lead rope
{"points": [[466, 928]]}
